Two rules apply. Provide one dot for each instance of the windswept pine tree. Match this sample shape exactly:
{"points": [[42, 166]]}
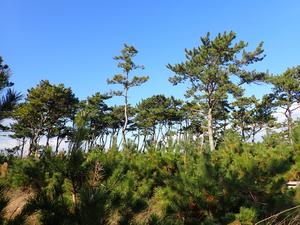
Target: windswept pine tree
{"points": [[157, 117], [125, 62], [251, 115], [94, 116], [46, 112], [286, 93], [210, 67]]}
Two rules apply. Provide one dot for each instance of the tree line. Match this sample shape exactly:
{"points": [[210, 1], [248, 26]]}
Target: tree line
{"points": [[217, 75]]}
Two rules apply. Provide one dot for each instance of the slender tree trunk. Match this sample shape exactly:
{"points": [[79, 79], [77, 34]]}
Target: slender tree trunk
{"points": [[180, 132], [253, 136], [168, 133], [57, 144], [105, 141], [115, 140], [111, 138], [153, 138], [48, 137], [33, 146], [144, 143], [74, 198], [255, 131], [158, 136], [22, 148], [30, 146], [47, 142], [290, 124], [210, 130], [138, 140], [201, 141], [243, 133], [125, 111]]}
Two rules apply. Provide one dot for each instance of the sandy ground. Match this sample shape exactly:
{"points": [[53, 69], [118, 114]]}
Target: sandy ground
{"points": [[18, 199]]}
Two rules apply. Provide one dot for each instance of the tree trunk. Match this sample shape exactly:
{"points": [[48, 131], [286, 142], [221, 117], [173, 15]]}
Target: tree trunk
{"points": [[105, 141], [33, 146], [243, 133], [47, 142], [57, 144], [253, 136], [111, 138], [290, 124], [48, 138], [125, 114], [201, 141], [74, 198], [30, 146], [158, 136], [210, 130], [22, 148]]}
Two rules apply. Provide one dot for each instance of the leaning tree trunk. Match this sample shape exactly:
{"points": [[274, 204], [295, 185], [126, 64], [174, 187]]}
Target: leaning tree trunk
{"points": [[210, 130]]}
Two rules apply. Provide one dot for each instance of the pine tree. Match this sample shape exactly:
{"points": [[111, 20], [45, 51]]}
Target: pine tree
{"points": [[47, 110], [209, 69], [127, 65], [286, 93]]}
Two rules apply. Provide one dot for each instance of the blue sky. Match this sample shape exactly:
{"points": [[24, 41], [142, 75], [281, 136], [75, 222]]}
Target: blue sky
{"points": [[73, 42]]}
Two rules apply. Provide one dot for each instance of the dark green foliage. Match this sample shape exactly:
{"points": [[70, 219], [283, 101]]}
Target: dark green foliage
{"points": [[46, 112], [286, 94], [93, 117], [174, 185], [92, 206], [8, 99], [210, 68]]}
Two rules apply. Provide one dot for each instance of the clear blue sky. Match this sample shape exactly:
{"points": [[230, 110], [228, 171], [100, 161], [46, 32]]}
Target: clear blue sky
{"points": [[73, 42]]}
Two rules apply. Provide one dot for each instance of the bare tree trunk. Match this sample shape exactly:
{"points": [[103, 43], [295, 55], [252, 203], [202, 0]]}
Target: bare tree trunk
{"points": [[23, 145], [30, 146], [47, 142], [158, 136], [153, 138], [57, 144], [105, 141], [138, 140], [210, 130], [290, 124], [111, 138], [48, 138], [74, 198], [33, 146], [253, 136], [201, 141], [144, 143], [243, 132], [125, 111]]}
